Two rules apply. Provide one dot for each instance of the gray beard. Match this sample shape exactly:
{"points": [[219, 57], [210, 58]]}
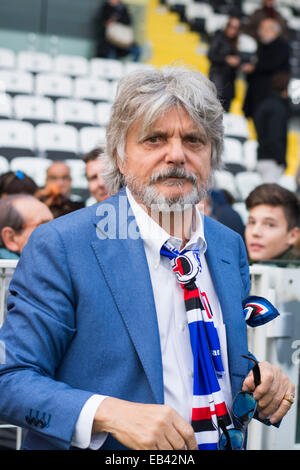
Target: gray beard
{"points": [[152, 199]]}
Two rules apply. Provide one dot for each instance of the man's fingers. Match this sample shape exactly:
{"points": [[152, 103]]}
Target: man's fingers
{"points": [[187, 433]]}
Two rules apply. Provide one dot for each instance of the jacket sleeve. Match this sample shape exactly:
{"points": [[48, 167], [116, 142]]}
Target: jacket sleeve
{"points": [[39, 326]]}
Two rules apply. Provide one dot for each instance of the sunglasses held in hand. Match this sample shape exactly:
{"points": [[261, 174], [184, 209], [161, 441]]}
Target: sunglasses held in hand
{"points": [[243, 409]]}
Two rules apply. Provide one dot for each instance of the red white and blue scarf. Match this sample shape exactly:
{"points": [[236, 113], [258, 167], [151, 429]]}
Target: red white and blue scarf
{"points": [[208, 401]]}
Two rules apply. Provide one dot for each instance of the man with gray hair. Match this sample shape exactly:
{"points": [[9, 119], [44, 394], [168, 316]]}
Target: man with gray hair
{"points": [[134, 319], [20, 214]]}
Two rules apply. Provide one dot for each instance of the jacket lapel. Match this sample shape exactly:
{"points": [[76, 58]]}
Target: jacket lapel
{"points": [[124, 266]]}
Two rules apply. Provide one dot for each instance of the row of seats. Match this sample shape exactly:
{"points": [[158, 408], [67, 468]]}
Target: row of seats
{"points": [[56, 85], [37, 109], [65, 64], [50, 140]]}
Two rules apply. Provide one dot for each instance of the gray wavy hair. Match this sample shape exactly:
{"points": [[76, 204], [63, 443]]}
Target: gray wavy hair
{"points": [[145, 95]]}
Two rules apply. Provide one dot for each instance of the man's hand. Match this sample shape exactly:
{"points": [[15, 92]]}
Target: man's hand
{"points": [[143, 427], [270, 393]]}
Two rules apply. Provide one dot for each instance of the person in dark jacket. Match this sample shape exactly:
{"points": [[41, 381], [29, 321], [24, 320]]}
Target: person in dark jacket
{"points": [[271, 123], [272, 56], [113, 11], [225, 60]]}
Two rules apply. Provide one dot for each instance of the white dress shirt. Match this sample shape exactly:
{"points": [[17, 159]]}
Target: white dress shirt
{"points": [[177, 357]]}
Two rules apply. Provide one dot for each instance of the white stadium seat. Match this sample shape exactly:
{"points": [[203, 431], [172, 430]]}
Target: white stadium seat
{"points": [[235, 125], [106, 68], [214, 22], [32, 108], [225, 180], [4, 165], [6, 106], [246, 181], [36, 62], [233, 151], [57, 141], [53, 85], [7, 59], [16, 138], [250, 154], [72, 65], [16, 81], [102, 113], [77, 169], [92, 89], [78, 113], [35, 167], [90, 138]]}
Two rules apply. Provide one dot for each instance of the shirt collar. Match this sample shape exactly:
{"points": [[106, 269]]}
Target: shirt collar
{"points": [[155, 236]]}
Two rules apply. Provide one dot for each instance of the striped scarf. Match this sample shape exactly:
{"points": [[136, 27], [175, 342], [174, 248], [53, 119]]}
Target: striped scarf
{"points": [[208, 403]]}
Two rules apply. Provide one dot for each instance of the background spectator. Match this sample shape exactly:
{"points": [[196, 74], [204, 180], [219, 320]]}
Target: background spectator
{"points": [[93, 170], [267, 10], [273, 225], [19, 215], [16, 182], [113, 11], [225, 60], [57, 192], [272, 56], [271, 123]]}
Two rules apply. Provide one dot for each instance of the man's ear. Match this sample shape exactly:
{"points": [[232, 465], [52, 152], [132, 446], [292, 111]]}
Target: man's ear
{"points": [[8, 235], [120, 163], [293, 236]]}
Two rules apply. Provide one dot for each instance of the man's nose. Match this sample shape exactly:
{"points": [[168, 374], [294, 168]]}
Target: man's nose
{"points": [[175, 152]]}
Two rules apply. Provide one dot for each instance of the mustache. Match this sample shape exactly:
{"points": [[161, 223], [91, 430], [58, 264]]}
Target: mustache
{"points": [[174, 172]]}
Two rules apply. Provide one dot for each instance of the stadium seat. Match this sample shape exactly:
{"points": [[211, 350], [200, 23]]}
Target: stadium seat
{"points": [[16, 138], [92, 89], [4, 164], [57, 141], [6, 107], [16, 82], [90, 138], [35, 62], [77, 168], [225, 180], [132, 66], [78, 113], [233, 151], [288, 182], [250, 154], [72, 65], [106, 68], [241, 209], [102, 113], [34, 109], [236, 126], [246, 181], [7, 59], [215, 22], [35, 167], [54, 85]]}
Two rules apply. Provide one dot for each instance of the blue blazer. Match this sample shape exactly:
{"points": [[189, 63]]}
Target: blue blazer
{"points": [[82, 320]]}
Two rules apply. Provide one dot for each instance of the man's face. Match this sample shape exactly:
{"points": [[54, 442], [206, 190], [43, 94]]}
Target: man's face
{"points": [[59, 173], [34, 213], [97, 188], [267, 31], [171, 164], [267, 235]]}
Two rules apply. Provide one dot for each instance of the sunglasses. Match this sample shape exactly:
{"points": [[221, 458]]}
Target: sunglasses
{"points": [[243, 409]]}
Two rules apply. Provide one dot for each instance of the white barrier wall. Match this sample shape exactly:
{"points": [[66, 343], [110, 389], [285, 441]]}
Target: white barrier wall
{"points": [[279, 343]]}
